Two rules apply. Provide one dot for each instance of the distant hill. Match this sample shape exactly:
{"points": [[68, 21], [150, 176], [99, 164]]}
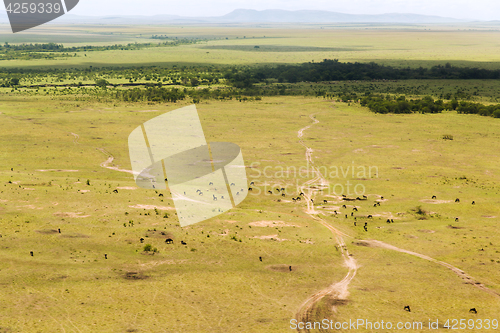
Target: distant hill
{"points": [[256, 16]]}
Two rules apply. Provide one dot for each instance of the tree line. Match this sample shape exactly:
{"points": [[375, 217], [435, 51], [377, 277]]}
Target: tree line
{"points": [[333, 70], [398, 105]]}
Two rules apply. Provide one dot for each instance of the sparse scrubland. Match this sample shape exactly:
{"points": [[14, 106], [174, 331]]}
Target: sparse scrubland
{"points": [[410, 158]]}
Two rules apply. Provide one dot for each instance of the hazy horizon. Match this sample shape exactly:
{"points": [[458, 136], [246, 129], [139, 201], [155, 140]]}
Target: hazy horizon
{"points": [[460, 9]]}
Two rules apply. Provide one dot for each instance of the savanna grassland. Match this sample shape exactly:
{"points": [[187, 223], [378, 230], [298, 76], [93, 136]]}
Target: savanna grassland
{"points": [[66, 195]]}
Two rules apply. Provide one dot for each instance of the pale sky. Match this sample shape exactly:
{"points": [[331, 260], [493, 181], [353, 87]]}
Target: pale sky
{"points": [[463, 9]]}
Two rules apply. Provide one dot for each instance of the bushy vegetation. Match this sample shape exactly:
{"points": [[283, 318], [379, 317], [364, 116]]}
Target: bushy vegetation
{"points": [[333, 70], [390, 104]]}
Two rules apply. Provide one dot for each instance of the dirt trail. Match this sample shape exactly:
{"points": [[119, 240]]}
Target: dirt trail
{"points": [[110, 160], [338, 290], [467, 278]]}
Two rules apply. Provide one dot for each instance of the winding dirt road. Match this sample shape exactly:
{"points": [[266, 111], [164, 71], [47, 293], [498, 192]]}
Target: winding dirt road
{"points": [[467, 278], [338, 290]]}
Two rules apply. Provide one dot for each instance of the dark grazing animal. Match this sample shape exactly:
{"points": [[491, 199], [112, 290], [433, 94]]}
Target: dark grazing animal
{"points": [[169, 241], [388, 221], [252, 183], [105, 256], [59, 230], [115, 191], [344, 206], [31, 253], [433, 197], [366, 229], [355, 209], [299, 198], [290, 267], [260, 258], [250, 189], [142, 240], [324, 201], [302, 193], [457, 200], [183, 243], [352, 213], [369, 216], [456, 219], [160, 195], [283, 194], [473, 202], [270, 192], [407, 308], [473, 310], [210, 183]]}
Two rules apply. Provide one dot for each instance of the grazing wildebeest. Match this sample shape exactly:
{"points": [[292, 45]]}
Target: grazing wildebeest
{"points": [[270, 192], [354, 223], [433, 197], [160, 195], [201, 193], [260, 258], [250, 189], [302, 193], [366, 223], [457, 200], [355, 209], [473, 202], [407, 308], [59, 230], [312, 200], [392, 221], [378, 203], [215, 198], [252, 183], [352, 213], [183, 243], [381, 198], [343, 195], [456, 219], [31, 253], [299, 198], [325, 202], [473, 310], [233, 184], [282, 189], [169, 241], [294, 200], [115, 191], [375, 205], [105, 256], [344, 206], [365, 197], [369, 216], [142, 240], [388, 221], [290, 268], [283, 194], [366, 229], [345, 215], [210, 183]]}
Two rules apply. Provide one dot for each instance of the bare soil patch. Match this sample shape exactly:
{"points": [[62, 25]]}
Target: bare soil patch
{"points": [[271, 224], [69, 214], [271, 237], [152, 207], [434, 201]]}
